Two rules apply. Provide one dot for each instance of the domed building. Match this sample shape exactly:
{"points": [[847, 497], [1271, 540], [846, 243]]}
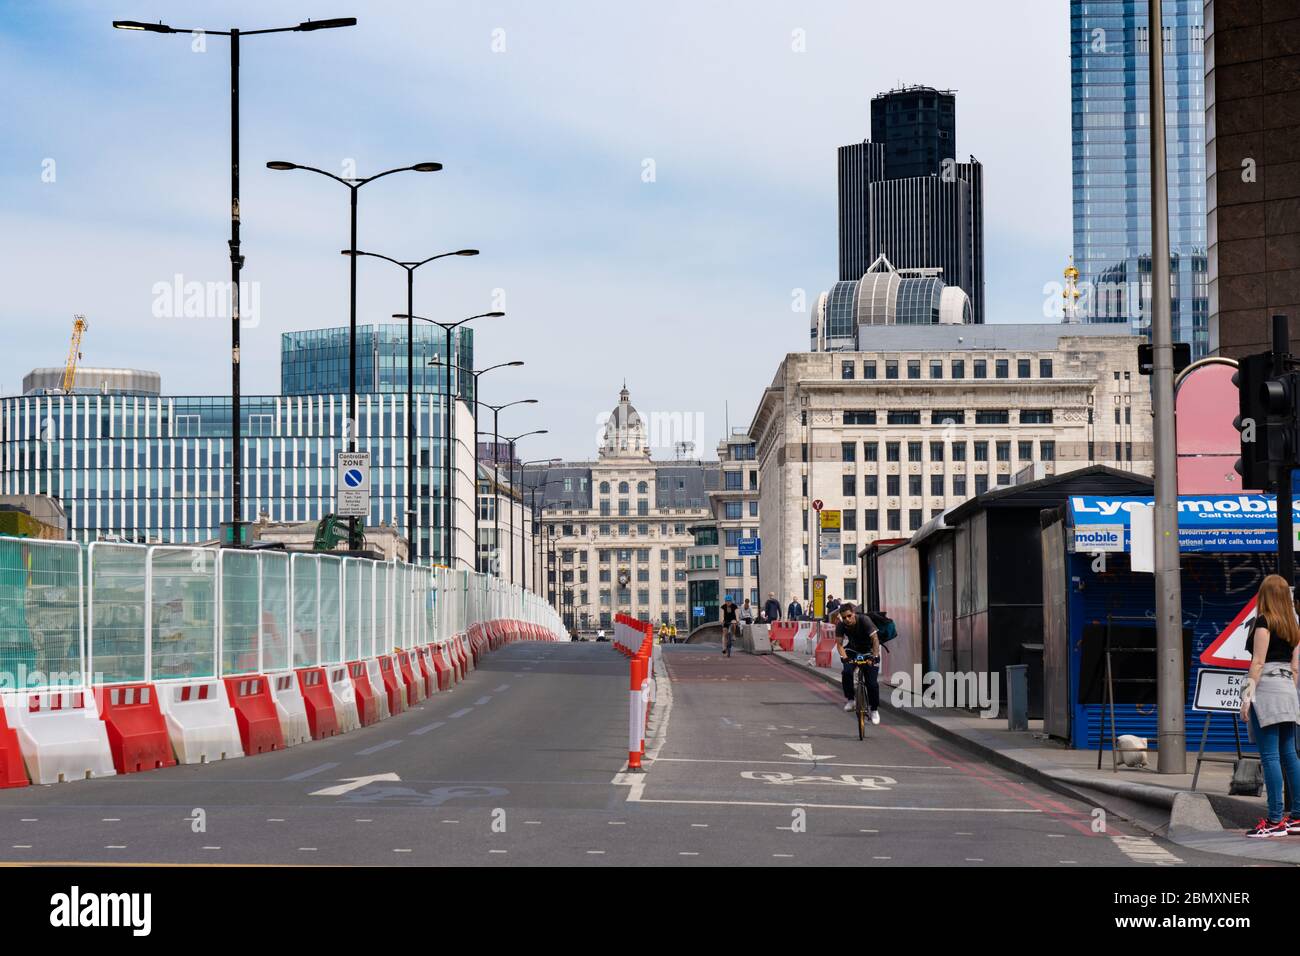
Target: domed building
{"points": [[884, 296], [625, 435]]}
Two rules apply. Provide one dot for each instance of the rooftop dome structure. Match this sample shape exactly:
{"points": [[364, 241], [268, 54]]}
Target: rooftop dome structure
{"points": [[625, 434]]}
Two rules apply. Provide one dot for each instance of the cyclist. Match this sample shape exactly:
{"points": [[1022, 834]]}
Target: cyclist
{"points": [[855, 634], [672, 633], [663, 632], [729, 626]]}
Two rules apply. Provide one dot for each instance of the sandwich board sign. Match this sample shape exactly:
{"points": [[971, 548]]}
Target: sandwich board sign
{"points": [[352, 484], [1229, 648]]}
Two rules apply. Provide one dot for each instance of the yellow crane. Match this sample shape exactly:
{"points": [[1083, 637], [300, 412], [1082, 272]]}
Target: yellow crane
{"points": [[74, 353]]}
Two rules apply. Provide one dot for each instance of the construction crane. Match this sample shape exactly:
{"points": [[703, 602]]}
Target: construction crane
{"points": [[74, 353]]}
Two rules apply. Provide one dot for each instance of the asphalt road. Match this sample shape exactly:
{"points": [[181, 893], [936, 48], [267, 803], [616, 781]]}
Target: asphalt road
{"points": [[753, 763]]}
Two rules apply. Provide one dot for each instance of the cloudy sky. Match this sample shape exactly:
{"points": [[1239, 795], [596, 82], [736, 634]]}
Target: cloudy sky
{"points": [[650, 183]]}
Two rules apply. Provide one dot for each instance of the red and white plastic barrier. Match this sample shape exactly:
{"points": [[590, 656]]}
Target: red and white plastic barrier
{"points": [[12, 771], [319, 700], [59, 734], [137, 733], [200, 720], [289, 707], [260, 730], [635, 639], [368, 701], [345, 697]]}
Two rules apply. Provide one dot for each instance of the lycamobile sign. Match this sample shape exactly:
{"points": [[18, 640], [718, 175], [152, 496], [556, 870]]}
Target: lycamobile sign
{"points": [[1205, 523]]}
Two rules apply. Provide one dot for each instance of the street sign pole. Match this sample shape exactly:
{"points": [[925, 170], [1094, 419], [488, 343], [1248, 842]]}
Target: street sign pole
{"points": [[1281, 356]]}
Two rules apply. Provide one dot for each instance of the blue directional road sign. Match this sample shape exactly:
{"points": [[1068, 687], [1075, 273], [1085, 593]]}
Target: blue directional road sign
{"points": [[750, 547]]}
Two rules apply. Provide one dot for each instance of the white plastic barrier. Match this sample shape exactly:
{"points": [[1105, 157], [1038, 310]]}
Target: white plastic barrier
{"points": [[345, 697], [805, 639], [377, 687], [289, 705], [60, 735], [426, 656], [200, 720]]}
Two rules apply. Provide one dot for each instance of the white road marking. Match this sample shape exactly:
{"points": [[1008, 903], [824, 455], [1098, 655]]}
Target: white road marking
{"points": [[963, 833], [796, 763], [378, 747], [1056, 836], [497, 690], [111, 820], [1069, 861], [868, 831], [30, 820], [700, 825], [687, 853], [533, 823], [461, 713], [482, 700], [275, 819], [974, 859], [838, 806], [365, 821], [451, 821], [22, 846], [805, 751], [882, 857], [306, 849], [312, 772], [116, 846], [1145, 850], [428, 727], [498, 851], [786, 856], [401, 850], [355, 783], [618, 823], [212, 848], [596, 852]]}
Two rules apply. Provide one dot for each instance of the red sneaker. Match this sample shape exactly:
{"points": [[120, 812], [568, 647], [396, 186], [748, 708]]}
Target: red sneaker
{"points": [[1267, 828]]}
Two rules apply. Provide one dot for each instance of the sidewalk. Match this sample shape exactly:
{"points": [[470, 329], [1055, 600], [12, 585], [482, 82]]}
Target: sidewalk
{"points": [[1207, 819]]}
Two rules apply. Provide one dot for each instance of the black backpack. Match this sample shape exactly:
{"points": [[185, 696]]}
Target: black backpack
{"points": [[886, 629]]}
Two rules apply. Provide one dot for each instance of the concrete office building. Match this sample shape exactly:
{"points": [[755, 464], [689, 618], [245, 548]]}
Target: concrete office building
{"points": [[716, 571], [927, 418]]}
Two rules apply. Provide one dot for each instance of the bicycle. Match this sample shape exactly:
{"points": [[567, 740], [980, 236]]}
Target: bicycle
{"points": [[728, 638], [860, 707]]}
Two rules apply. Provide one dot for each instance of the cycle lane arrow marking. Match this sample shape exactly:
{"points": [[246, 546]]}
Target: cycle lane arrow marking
{"points": [[805, 751], [355, 783]]}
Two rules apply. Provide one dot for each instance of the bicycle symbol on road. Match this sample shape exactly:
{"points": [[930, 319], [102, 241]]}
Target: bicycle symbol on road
{"points": [[844, 780]]}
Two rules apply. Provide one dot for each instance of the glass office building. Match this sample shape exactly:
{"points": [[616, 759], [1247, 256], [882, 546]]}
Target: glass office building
{"points": [[1111, 163], [156, 468]]}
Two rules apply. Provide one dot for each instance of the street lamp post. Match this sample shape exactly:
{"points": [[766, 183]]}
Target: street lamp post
{"points": [[532, 510], [448, 524], [477, 403], [236, 257], [496, 462], [354, 186], [410, 268], [539, 431]]}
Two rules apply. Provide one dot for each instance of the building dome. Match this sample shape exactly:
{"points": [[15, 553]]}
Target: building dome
{"points": [[625, 434]]}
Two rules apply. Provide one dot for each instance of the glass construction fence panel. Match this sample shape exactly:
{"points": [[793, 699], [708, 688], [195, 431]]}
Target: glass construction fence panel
{"points": [[112, 613]]}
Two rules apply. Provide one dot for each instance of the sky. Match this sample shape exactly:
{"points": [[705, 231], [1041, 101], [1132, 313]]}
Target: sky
{"points": [[652, 186]]}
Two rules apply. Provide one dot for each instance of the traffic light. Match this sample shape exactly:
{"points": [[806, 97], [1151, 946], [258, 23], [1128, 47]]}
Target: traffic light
{"points": [[1267, 420]]}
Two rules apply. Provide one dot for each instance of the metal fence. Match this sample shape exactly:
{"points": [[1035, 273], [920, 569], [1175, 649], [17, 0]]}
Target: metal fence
{"points": [[107, 613]]}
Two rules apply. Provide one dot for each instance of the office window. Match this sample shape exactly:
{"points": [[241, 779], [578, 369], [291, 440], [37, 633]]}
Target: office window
{"points": [[1026, 450], [948, 416], [891, 485], [850, 519], [1004, 451], [846, 370], [959, 451], [891, 451], [959, 486], [733, 510], [992, 416], [1024, 368], [891, 369], [958, 368], [981, 451], [733, 536], [903, 418], [913, 368], [1045, 368], [894, 520], [936, 484], [914, 485], [1047, 450], [871, 520], [753, 509], [1043, 416], [1002, 368], [735, 567], [936, 368], [733, 480], [915, 518], [870, 486], [869, 370], [914, 451], [981, 484], [848, 451], [936, 451], [981, 368], [859, 418], [849, 556], [849, 485], [870, 451]]}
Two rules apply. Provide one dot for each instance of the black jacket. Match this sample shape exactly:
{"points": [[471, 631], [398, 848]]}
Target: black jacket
{"points": [[772, 609]]}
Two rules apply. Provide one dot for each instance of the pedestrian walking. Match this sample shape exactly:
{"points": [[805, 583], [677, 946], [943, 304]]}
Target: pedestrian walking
{"points": [[772, 609], [1270, 705], [795, 611]]}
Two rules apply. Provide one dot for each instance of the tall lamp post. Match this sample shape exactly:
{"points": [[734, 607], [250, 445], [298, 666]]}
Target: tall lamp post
{"points": [[511, 463], [354, 186], [410, 268], [236, 257], [532, 509], [530, 401], [496, 460], [449, 511]]}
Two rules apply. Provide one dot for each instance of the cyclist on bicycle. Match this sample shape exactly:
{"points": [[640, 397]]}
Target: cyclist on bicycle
{"points": [[856, 635], [729, 626]]}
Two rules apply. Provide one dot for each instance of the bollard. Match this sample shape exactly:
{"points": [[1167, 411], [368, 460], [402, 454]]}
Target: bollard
{"points": [[1017, 697]]}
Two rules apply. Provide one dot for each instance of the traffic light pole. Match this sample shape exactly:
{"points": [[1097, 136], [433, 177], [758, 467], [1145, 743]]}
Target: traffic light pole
{"points": [[1281, 358], [1170, 693]]}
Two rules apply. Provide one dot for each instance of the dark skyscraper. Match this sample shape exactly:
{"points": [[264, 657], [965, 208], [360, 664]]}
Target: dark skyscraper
{"points": [[902, 194]]}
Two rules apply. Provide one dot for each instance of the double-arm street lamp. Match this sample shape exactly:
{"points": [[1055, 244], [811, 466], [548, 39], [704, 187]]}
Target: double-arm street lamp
{"points": [[448, 524], [511, 441], [477, 402], [532, 508], [496, 461], [236, 257], [354, 186], [410, 267]]}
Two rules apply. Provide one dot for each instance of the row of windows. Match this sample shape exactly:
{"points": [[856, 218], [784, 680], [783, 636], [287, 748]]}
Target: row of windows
{"points": [[953, 416], [677, 528], [956, 368], [943, 451]]}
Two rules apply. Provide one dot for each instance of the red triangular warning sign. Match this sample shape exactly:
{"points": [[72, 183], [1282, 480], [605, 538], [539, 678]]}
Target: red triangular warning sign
{"points": [[1229, 648]]}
